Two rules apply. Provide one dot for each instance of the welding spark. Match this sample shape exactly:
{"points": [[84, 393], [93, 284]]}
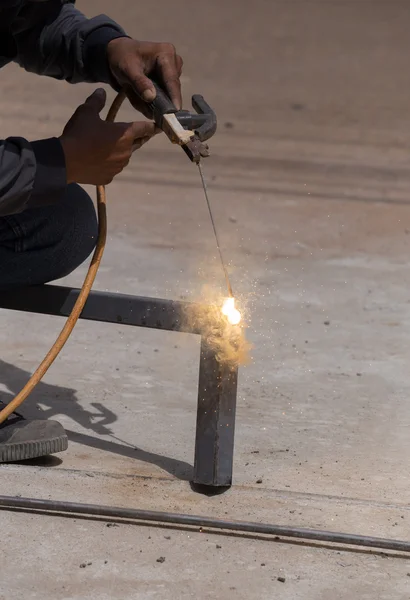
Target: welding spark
{"points": [[228, 309]]}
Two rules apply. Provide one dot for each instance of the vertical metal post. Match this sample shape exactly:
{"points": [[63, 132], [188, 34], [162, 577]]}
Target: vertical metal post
{"points": [[215, 430]]}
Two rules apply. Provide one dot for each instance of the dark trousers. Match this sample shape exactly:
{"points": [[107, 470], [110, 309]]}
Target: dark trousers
{"points": [[43, 244]]}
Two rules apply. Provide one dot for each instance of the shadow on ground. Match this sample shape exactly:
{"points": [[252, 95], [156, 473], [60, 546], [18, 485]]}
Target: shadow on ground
{"points": [[61, 400]]}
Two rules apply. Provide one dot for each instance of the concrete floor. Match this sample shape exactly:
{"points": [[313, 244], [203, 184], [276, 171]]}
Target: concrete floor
{"points": [[310, 182]]}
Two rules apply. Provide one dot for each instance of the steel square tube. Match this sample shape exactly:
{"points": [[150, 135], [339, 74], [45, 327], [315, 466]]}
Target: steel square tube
{"points": [[217, 387], [215, 428], [155, 313]]}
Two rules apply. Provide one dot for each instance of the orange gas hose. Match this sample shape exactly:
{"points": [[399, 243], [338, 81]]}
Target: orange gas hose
{"points": [[83, 295]]}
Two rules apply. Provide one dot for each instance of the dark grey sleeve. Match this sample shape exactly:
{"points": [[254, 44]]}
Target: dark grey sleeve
{"points": [[31, 174], [53, 38]]}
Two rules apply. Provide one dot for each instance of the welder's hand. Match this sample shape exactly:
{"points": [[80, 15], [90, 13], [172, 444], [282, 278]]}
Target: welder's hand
{"points": [[132, 63], [96, 151]]}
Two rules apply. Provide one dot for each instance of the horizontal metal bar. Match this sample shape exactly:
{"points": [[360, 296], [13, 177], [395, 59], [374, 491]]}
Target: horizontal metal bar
{"points": [[107, 307], [336, 537]]}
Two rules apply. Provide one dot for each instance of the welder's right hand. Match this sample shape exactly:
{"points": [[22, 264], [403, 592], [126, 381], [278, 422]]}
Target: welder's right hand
{"points": [[96, 151]]}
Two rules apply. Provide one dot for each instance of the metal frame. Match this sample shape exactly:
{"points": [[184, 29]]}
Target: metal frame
{"points": [[215, 429]]}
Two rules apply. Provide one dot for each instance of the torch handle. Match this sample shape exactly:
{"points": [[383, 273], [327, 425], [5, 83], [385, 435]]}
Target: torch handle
{"points": [[162, 105]]}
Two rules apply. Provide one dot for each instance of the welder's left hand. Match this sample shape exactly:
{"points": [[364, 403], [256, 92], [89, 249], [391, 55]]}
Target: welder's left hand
{"points": [[132, 63]]}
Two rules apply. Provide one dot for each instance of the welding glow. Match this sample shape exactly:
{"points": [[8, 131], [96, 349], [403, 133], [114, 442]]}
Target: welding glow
{"points": [[228, 309]]}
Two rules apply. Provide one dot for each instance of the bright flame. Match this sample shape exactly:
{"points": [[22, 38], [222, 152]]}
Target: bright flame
{"points": [[228, 309]]}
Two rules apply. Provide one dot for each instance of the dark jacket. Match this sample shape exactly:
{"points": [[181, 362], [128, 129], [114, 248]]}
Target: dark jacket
{"points": [[48, 37]]}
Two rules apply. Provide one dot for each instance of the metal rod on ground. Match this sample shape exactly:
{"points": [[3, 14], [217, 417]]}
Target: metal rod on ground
{"points": [[228, 283], [54, 506]]}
